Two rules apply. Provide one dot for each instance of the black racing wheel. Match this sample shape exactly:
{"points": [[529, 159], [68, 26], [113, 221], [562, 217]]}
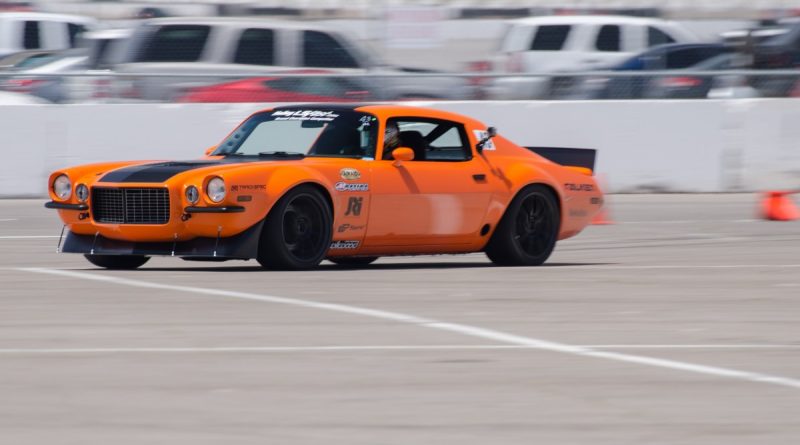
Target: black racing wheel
{"points": [[297, 232], [527, 233]]}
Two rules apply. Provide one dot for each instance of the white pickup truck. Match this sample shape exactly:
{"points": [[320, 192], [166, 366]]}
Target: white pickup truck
{"points": [[563, 44], [163, 50]]}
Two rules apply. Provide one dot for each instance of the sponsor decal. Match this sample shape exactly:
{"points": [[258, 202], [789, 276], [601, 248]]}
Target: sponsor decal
{"points": [[479, 135], [596, 201], [354, 207], [579, 187], [347, 227], [304, 115], [351, 187], [350, 174], [344, 245], [244, 198], [249, 187]]}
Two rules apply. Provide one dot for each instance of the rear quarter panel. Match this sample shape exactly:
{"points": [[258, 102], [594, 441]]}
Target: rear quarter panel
{"points": [[578, 194]]}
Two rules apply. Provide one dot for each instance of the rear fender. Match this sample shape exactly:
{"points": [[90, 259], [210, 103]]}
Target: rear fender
{"points": [[577, 194]]}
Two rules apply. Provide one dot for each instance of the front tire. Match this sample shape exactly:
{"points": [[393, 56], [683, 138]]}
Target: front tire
{"points": [[358, 261], [297, 232], [527, 233], [118, 262]]}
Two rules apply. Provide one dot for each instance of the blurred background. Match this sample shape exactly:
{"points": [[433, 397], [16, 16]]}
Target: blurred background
{"points": [[677, 96], [65, 51]]}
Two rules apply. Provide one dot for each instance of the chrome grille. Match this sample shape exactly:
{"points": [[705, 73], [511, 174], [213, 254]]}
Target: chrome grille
{"points": [[130, 205]]}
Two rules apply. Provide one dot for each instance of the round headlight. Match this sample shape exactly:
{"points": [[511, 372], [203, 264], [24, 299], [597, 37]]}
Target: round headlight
{"points": [[82, 192], [216, 189], [192, 194], [62, 187]]}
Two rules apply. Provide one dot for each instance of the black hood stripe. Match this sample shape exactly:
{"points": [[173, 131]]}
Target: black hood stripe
{"points": [[161, 171]]}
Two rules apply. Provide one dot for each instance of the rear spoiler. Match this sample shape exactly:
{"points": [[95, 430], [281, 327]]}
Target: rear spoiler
{"points": [[568, 157]]}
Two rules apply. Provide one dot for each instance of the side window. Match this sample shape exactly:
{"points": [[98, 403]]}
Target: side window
{"points": [[550, 38], [656, 36], [256, 47], [30, 35], [320, 50], [448, 139], [75, 30], [175, 43], [608, 39], [433, 139]]}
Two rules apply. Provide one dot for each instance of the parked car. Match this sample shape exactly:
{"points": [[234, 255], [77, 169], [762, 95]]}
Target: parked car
{"points": [[559, 44], [689, 83], [43, 80], [23, 31], [240, 46], [781, 52], [104, 49], [280, 89], [25, 59], [672, 56]]}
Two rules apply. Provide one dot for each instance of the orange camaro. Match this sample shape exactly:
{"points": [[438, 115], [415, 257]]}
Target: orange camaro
{"points": [[294, 185]]}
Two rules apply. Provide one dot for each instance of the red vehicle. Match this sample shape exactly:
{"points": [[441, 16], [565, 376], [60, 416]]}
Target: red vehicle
{"points": [[280, 89]]}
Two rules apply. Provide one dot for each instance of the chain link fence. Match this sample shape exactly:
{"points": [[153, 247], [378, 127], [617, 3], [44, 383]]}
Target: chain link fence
{"points": [[312, 87], [246, 59]]}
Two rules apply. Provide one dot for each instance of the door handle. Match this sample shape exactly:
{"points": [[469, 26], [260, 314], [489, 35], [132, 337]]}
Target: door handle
{"points": [[479, 177]]}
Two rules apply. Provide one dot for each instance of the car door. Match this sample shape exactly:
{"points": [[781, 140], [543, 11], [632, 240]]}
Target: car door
{"points": [[438, 199]]}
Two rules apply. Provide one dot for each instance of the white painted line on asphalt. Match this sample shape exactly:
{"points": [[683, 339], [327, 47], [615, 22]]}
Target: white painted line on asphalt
{"points": [[471, 331], [701, 346], [7, 219], [691, 221], [224, 349], [675, 266], [258, 349], [27, 236]]}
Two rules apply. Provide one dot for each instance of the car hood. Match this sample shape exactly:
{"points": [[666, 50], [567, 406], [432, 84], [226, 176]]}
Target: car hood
{"points": [[159, 172]]}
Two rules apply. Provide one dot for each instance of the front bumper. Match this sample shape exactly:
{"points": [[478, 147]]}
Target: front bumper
{"points": [[65, 206], [241, 246]]}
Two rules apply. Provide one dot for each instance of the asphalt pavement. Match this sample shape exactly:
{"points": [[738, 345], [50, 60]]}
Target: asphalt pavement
{"points": [[678, 324]]}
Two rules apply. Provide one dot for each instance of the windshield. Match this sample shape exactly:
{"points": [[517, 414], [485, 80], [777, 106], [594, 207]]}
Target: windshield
{"points": [[301, 131]]}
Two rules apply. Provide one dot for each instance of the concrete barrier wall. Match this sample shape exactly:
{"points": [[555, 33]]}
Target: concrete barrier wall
{"points": [[671, 146]]}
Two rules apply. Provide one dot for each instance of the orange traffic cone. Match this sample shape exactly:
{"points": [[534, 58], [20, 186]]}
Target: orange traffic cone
{"points": [[778, 206]]}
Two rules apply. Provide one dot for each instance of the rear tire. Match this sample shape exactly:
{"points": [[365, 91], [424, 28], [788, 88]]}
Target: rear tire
{"points": [[353, 261], [117, 262], [297, 232], [527, 233]]}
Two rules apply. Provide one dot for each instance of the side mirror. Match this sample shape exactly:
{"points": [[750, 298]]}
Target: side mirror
{"points": [[210, 150], [401, 154], [487, 136]]}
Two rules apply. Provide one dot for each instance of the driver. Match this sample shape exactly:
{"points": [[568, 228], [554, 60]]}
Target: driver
{"points": [[391, 139]]}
